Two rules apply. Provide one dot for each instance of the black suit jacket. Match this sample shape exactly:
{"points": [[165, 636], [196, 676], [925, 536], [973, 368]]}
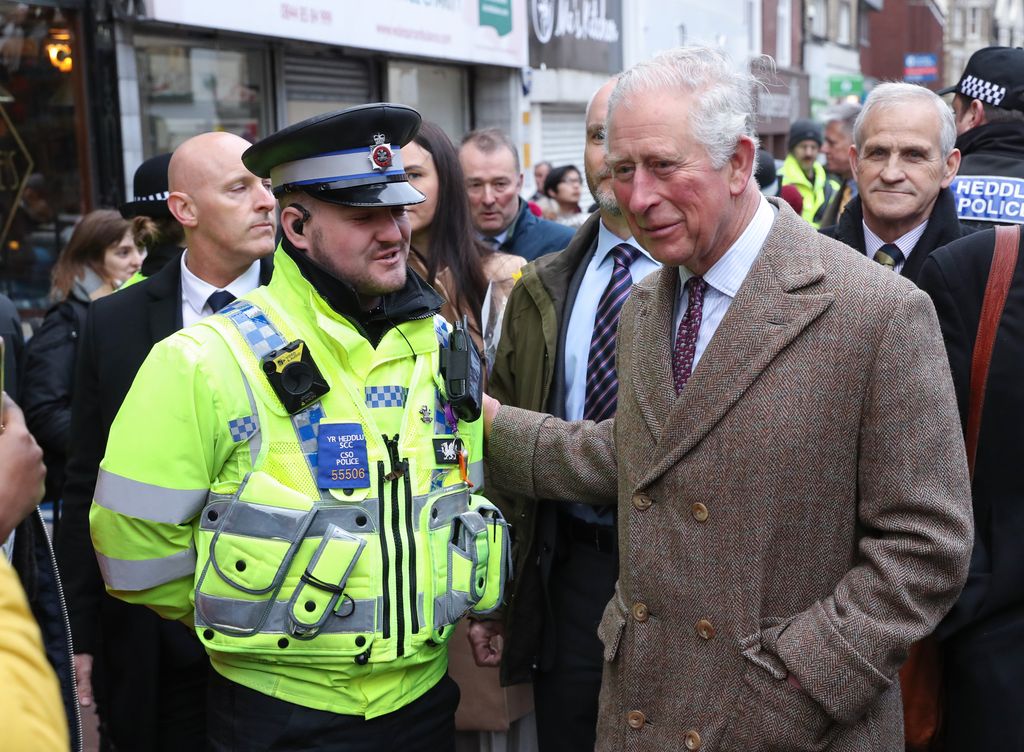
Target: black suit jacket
{"points": [[943, 227], [129, 642], [984, 632]]}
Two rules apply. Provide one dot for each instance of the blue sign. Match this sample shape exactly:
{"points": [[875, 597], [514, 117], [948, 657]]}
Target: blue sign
{"points": [[341, 456], [918, 68], [989, 198]]}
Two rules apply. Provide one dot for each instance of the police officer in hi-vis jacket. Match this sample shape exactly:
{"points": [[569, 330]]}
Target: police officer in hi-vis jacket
{"points": [[306, 493]]}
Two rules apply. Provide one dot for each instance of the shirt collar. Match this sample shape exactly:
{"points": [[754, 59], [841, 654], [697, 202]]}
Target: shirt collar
{"points": [[197, 291], [728, 273], [607, 240], [906, 243]]}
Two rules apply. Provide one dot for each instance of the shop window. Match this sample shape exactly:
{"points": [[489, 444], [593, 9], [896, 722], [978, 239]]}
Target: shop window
{"points": [[188, 88], [40, 183], [437, 91]]}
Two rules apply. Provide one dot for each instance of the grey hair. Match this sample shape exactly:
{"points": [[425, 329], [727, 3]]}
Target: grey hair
{"points": [[489, 140], [898, 94], [845, 114], [723, 95]]}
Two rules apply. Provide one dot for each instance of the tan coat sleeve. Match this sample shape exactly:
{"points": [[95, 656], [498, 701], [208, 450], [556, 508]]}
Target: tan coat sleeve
{"points": [[31, 712]]}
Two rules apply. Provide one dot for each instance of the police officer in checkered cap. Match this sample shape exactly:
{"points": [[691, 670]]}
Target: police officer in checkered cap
{"points": [[989, 108]]}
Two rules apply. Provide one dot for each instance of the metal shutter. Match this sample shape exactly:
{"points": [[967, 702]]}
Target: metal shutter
{"points": [[562, 138], [316, 78]]}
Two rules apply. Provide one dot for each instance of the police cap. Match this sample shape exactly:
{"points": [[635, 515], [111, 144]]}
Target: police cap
{"points": [[995, 75], [351, 157]]}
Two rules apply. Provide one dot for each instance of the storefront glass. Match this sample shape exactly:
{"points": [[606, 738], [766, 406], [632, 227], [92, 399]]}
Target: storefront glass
{"points": [[187, 88], [40, 182]]}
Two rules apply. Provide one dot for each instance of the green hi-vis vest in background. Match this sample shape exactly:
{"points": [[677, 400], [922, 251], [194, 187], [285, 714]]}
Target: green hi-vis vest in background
{"points": [[325, 556]]}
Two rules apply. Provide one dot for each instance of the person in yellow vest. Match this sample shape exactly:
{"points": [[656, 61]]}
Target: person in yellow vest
{"points": [[802, 169], [307, 493]]}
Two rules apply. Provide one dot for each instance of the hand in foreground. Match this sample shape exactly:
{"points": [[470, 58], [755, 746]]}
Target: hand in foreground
{"points": [[486, 638], [21, 469], [83, 675], [491, 406]]}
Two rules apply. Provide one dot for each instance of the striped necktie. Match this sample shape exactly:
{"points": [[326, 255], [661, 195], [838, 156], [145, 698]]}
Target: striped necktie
{"points": [[602, 381], [890, 256]]}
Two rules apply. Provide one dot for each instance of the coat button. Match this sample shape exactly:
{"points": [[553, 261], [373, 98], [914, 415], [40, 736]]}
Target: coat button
{"points": [[692, 739], [705, 629], [641, 502], [699, 512], [635, 719], [640, 612]]}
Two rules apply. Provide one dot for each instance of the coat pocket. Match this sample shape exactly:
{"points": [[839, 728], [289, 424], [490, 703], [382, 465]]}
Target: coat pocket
{"points": [[613, 624], [771, 715]]}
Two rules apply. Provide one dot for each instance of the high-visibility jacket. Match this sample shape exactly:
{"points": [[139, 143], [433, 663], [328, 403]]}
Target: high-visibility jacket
{"points": [[322, 557], [816, 194]]}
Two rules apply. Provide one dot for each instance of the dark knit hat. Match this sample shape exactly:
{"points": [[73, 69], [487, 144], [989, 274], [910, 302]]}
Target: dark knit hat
{"points": [[803, 130]]}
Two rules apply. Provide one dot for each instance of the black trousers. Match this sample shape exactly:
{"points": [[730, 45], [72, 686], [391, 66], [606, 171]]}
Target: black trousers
{"points": [[565, 695], [243, 720]]}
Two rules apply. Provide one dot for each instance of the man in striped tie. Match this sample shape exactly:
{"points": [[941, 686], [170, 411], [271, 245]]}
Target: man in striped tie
{"points": [[566, 556]]}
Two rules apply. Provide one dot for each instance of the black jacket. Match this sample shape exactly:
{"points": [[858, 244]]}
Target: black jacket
{"points": [[943, 227], [14, 345], [984, 632], [48, 379], [994, 149], [130, 644]]}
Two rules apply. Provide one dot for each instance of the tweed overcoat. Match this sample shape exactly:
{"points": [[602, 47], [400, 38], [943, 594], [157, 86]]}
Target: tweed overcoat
{"points": [[802, 507]]}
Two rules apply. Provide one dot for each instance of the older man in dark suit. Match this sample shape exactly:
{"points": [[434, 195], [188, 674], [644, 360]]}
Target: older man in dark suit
{"points": [[782, 543], [150, 673]]}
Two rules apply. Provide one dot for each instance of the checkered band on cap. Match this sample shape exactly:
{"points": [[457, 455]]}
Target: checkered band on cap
{"points": [[986, 91]]}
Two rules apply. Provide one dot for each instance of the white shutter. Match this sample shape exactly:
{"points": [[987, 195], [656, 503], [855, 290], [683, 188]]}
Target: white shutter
{"points": [[563, 134], [314, 84]]}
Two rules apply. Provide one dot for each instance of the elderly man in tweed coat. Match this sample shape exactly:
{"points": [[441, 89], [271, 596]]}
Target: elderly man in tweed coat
{"points": [[793, 502]]}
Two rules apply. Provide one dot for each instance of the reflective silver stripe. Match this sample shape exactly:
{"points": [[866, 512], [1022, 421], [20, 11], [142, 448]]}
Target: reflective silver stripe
{"points": [[348, 164], [256, 440], [143, 574], [451, 607], [476, 475], [265, 522], [148, 502], [230, 615], [448, 506]]}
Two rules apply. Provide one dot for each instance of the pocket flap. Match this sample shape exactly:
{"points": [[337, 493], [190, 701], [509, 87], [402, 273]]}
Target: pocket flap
{"points": [[613, 624], [322, 584]]}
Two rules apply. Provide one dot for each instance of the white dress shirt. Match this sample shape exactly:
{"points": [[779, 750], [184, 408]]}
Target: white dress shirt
{"points": [[906, 243], [195, 292], [724, 278], [584, 310]]}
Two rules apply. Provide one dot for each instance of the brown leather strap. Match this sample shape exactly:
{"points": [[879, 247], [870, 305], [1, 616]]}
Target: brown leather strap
{"points": [[1004, 261]]}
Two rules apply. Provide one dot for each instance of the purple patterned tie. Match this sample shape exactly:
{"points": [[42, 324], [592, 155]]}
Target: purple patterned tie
{"points": [[602, 382], [686, 337]]}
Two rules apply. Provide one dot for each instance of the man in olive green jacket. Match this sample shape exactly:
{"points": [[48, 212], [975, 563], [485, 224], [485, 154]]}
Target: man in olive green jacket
{"points": [[557, 355]]}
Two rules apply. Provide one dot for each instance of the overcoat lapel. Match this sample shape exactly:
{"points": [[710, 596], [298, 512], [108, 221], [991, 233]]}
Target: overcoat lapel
{"points": [[768, 313], [164, 308]]}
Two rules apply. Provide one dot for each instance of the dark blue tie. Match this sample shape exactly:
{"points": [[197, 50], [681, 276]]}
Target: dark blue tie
{"points": [[219, 299], [890, 256], [602, 381]]}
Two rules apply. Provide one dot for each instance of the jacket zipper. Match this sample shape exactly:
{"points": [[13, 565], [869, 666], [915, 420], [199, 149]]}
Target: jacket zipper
{"points": [[78, 741], [398, 470], [384, 560]]}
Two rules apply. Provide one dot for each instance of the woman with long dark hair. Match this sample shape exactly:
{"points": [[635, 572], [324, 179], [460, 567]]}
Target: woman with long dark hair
{"points": [[473, 278]]}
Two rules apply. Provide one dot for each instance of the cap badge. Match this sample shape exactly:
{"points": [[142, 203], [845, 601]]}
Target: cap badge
{"points": [[380, 153]]}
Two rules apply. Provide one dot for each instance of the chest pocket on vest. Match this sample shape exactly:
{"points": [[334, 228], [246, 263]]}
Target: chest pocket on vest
{"points": [[322, 586]]}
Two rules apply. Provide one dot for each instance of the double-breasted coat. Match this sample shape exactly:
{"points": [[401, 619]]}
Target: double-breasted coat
{"points": [[802, 507]]}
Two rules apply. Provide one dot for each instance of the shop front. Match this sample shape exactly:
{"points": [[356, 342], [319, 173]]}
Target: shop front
{"points": [[42, 145]]}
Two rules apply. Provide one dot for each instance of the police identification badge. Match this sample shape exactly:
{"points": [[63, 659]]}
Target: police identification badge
{"points": [[381, 155], [447, 451], [341, 456]]}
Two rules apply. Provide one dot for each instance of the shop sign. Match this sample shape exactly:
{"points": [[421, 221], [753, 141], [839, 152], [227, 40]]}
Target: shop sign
{"points": [[920, 68], [580, 34], [492, 32], [844, 86]]}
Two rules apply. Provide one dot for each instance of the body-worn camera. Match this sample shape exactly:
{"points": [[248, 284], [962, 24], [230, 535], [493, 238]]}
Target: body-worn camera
{"points": [[462, 372], [294, 376]]}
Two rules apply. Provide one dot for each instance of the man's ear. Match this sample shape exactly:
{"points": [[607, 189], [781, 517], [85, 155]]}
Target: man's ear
{"points": [[741, 165], [977, 113], [951, 167], [292, 220], [183, 208], [853, 161]]}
